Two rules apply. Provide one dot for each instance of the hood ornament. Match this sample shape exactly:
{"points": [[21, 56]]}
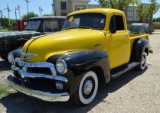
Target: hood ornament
{"points": [[28, 55]]}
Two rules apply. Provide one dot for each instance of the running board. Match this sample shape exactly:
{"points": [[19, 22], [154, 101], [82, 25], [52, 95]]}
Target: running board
{"points": [[119, 71]]}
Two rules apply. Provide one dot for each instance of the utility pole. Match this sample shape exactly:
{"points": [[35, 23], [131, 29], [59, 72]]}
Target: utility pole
{"points": [[40, 11], [15, 13], [8, 10], [53, 7], [27, 1], [1, 17], [18, 8]]}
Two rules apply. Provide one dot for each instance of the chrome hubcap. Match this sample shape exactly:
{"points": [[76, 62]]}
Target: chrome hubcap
{"points": [[143, 61], [88, 85]]}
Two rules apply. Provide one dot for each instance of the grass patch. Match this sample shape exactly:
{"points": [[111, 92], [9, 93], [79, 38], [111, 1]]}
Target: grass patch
{"points": [[4, 91], [4, 30]]}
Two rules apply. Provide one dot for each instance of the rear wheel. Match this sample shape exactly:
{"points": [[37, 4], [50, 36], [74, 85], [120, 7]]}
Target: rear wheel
{"points": [[87, 90], [142, 65]]}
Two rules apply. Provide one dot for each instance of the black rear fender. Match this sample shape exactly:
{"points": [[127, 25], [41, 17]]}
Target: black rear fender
{"points": [[139, 46]]}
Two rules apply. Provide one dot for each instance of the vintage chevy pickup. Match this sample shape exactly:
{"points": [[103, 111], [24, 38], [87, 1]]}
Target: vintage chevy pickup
{"points": [[36, 26], [93, 47]]}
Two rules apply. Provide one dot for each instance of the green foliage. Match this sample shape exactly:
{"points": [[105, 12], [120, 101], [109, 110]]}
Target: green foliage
{"points": [[142, 12], [48, 15], [29, 15], [146, 11], [154, 7], [117, 4], [156, 19], [3, 30], [5, 90], [5, 22]]}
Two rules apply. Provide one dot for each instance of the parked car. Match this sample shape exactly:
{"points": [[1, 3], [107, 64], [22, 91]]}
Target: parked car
{"points": [[1, 27], [93, 47], [141, 28], [36, 26]]}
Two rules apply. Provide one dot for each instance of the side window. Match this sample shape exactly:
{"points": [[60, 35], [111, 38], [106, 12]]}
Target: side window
{"points": [[117, 22], [51, 25]]}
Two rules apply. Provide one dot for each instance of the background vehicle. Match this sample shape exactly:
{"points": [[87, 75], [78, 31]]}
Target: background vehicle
{"points": [[93, 47], [141, 28], [35, 27]]}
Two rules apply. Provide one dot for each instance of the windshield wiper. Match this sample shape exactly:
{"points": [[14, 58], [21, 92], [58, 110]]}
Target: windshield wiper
{"points": [[85, 27], [70, 28]]}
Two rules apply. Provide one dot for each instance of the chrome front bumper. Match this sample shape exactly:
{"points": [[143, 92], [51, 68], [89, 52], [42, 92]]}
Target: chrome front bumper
{"points": [[22, 68], [47, 96]]}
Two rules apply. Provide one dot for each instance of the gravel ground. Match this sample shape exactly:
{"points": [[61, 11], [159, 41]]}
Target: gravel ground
{"points": [[133, 92]]}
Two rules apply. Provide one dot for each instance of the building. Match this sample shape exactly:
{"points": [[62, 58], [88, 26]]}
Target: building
{"points": [[67, 6], [131, 14], [63, 7]]}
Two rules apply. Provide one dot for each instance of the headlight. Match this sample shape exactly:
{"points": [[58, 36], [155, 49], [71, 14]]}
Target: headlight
{"points": [[61, 66], [10, 58]]}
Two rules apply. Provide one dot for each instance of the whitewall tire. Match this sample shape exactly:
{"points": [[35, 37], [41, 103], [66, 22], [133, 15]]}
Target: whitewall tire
{"points": [[87, 89], [142, 65]]}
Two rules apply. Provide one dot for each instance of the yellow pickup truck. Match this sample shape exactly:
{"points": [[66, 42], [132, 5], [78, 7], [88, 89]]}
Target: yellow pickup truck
{"points": [[93, 47]]}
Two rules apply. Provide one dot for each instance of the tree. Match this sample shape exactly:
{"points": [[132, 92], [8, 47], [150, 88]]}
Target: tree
{"points": [[29, 15], [5, 22], [145, 12], [142, 12], [48, 15], [117, 4], [153, 8], [156, 19]]}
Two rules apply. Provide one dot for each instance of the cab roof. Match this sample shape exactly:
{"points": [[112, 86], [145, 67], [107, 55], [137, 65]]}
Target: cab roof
{"points": [[96, 10], [48, 17]]}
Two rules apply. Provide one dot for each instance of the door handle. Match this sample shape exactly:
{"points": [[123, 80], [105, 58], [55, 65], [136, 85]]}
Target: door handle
{"points": [[96, 45], [126, 35]]}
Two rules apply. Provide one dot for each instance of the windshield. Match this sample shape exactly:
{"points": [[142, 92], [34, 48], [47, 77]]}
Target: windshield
{"points": [[33, 24], [87, 20]]}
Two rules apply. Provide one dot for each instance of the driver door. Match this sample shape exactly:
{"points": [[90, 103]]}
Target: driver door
{"points": [[119, 43]]}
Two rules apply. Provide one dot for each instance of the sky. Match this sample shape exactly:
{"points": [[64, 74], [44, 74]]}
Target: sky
{"points": [[35, 4]]}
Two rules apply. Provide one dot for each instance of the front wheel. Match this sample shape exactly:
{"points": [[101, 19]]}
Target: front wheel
{"points": [[87, 90], [142, 65]]}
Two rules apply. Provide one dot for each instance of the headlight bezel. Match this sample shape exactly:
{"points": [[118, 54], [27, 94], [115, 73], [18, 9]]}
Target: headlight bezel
{"points": [[10, 58], [61, 66]]}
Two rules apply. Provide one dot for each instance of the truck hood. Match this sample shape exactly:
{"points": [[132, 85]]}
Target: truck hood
{"points": [[19, 34], [68, 40]]}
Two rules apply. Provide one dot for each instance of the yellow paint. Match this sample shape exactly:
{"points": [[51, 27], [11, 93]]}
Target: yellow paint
{"points": [[118, 45], [67, 40]]}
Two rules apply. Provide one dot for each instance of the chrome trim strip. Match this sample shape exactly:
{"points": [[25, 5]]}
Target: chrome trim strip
{"points": [[13, 67], [24, 74], [40, 64], [52, 97]]}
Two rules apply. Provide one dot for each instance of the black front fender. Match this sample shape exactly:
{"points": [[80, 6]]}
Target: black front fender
{"points": [[79, 62]]}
